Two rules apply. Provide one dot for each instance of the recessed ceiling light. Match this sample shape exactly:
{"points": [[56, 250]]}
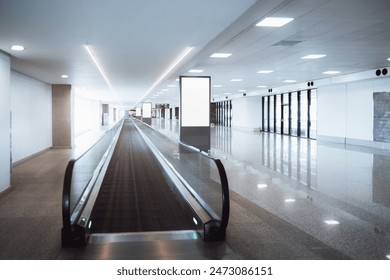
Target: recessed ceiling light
{"points": [[196, 71], [17, 48], [331, 72], [274, 21], [262, 86], [289, 81], [220, 55], [289, 200], [262, 186], [164, 89], [236, 80], [64, 76], [332, 222], [217, 86], [265, 71], [171, 86], [313, 56], [242, 90]]}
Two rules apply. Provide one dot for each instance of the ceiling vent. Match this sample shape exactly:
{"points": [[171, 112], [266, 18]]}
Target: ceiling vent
{"points": [[287, 43]]}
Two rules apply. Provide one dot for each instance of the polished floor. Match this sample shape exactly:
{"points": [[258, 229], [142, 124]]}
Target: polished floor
{"points": [[337, 194], [291, 198]]}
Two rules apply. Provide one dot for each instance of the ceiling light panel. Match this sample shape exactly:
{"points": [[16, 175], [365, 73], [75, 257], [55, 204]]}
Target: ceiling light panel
{"points": [[331, 72], [196, 71], [17, 48], [265, 71], [274, 21], [313, 56], [220, 55]]}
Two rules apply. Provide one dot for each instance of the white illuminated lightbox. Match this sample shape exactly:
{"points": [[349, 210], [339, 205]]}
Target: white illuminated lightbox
{"points": [[195, 101], [138, 112], [146, 110]]}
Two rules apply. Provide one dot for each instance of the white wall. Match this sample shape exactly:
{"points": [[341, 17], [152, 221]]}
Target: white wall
{"points": [[331, 111], [31, 116], [5, 151], [345, 111], [87, 115], [247, 113]]}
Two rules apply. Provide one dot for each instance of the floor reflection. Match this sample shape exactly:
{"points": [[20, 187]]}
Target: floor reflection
{"points": [[338, 194]]}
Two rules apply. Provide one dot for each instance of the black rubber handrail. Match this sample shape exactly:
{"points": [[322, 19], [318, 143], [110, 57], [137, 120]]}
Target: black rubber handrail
{"points": [[66, 215], [224, 183], [225, 194]]}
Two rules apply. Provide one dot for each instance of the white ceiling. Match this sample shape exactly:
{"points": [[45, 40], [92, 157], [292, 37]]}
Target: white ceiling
{"points": [[136, 41]]}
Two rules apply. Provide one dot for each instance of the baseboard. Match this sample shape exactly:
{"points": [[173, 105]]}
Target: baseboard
{"points": [[16, 163]]}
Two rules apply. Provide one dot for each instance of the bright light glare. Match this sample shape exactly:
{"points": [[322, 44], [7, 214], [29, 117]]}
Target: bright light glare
{"points": [[313, 56], [262, 186], [196, 71], [332, 222], [331, 72], [289, 200], [274, 21], [220, 55], [195, 221], [265, 71], [289, 81], [17, 48]]}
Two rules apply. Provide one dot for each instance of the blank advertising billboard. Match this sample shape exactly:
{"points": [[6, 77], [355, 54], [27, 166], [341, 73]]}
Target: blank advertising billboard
{"points": [[195, 101], [147, 110]]}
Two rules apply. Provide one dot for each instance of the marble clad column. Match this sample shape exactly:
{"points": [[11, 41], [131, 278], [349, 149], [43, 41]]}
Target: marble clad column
{"points": [[62, 116]]}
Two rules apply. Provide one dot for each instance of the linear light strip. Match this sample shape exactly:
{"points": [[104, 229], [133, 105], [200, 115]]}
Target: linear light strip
{"points": [[97, 64], [167, 71]]}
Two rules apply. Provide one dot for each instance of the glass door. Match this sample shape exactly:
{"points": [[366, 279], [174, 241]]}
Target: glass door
{"points": [[278, 114], [294, 113], [265, 113], [304, 114], [313, 114], [286, 118], [271, 113]]}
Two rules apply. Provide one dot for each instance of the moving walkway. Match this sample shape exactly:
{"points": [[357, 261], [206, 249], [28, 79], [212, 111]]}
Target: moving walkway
{"points": [[136, 184]]}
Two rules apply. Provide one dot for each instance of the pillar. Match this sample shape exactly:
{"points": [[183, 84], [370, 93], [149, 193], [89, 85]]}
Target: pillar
{"points": [[5, 122], [62, 116], [105, 114]]}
